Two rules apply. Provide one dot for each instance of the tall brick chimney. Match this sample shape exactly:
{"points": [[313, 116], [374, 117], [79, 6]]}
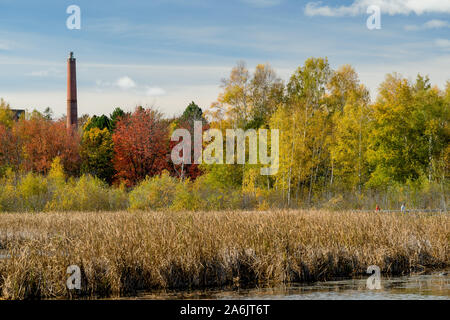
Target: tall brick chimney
{"points": [[72, 107]]}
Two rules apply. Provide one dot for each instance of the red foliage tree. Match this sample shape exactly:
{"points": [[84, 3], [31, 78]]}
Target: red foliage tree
{"points": [[141, 146]]}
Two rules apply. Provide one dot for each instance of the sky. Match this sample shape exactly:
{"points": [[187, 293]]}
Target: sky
{"points": [[167, 53]]}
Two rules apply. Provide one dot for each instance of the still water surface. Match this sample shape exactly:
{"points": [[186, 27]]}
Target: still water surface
{"points": [[415, 287]]}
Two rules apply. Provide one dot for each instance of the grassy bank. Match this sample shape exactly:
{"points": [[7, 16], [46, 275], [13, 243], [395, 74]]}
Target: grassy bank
{"points": [[120, 253]]}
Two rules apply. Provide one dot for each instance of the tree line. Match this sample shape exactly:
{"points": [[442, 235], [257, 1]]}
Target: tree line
{"points": [[338, 148]]}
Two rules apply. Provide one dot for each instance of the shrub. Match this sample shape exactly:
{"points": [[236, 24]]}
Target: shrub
{"points": [[88, 194], [185, 198], [154, 193], [56, 174], [33, 192], [213, 196], [8, 194]]}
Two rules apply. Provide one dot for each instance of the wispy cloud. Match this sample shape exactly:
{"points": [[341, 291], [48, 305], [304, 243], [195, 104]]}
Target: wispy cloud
{"points": [[432, 24], [52, 72], [155, 91], [391, 7], [263, 3], [42, 73], [443, 43]]}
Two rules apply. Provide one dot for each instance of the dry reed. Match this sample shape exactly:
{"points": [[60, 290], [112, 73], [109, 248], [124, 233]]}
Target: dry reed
{"points": [[122, 253]]}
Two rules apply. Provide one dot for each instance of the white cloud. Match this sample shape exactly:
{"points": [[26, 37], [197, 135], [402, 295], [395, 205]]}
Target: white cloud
{"points": [[391, 7], [432, 24], [125, 83], [155, 91]]}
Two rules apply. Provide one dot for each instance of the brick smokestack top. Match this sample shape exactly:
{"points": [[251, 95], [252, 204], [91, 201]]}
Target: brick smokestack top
{"points": [[72, 107]]}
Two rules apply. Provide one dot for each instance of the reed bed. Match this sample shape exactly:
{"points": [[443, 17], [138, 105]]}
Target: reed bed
{"points": [[122, 253]]}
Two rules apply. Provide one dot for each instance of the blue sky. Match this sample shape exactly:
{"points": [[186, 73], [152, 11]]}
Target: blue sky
{"points": [[166, 53]]}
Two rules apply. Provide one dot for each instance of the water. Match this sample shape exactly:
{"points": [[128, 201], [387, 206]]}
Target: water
{"points": [[434, 286]]}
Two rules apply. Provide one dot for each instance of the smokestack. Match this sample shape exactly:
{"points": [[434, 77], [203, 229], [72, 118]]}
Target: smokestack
{"points": [[72, 107]]}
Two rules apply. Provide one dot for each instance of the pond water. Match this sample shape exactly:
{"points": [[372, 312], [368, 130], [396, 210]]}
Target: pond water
{"points": [[413, 287], [434, 286]]}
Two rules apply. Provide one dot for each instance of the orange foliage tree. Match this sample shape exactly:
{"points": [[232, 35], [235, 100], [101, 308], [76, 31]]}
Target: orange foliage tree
{"points": [[10, 148], [141, 146], [31, 145], [43, 140]]}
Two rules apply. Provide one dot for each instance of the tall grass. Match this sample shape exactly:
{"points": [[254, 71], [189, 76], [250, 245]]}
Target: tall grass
{"points": [[121, 253]]}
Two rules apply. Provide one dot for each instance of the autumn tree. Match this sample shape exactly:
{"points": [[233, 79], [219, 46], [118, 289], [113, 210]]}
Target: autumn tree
{"points": [[42, 140], [348, 101], [141, 144], [303, 121], [11, 155], [349, 149], [6, 115], [409, 130], [97, 151], [248, 100], [232, 104], [343, 84], [266, 92]]}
